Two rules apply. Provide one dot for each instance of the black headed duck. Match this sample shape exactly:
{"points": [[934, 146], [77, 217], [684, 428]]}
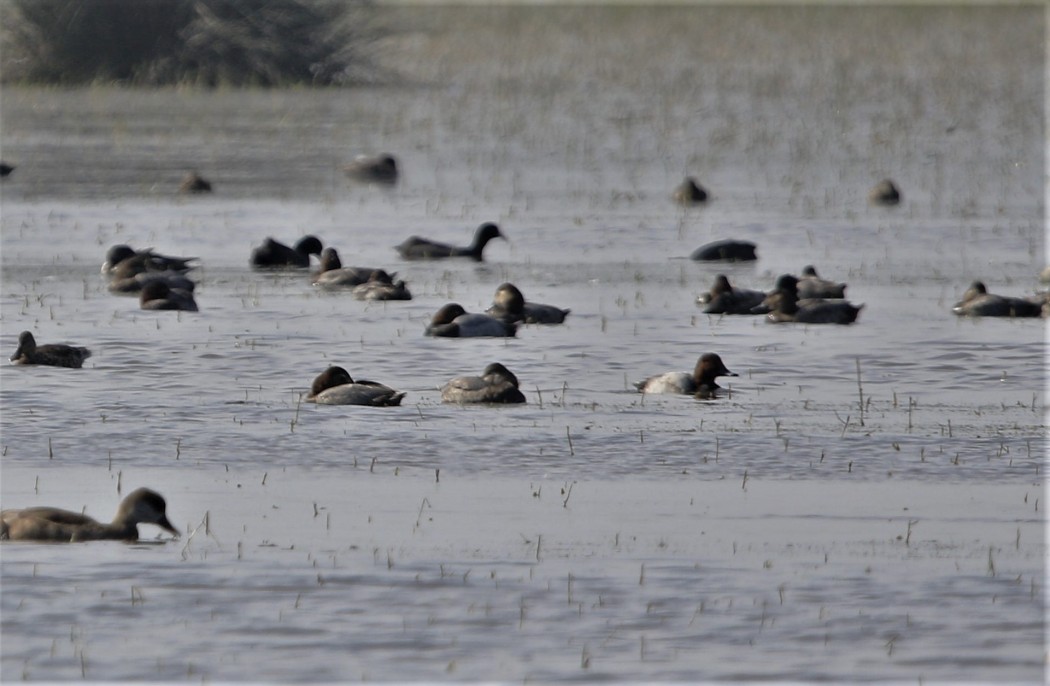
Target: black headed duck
{"points": [[726, 251], [416, 248], [276, 255]]}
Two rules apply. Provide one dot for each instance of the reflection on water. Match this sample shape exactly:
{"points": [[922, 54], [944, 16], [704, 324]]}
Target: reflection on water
{"points": [[577, 167]]}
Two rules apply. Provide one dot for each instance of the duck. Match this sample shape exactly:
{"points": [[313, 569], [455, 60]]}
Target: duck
{"points": [[700, 383], [784, 305], [381, 286], [6, 169], [123, 261], [276, 255], [50, 354], [510, 305], [495, 385], [452, 321], [812, 286], [416, 248], [158, 294], [726, 251], [885, 193], [334, 386], [689, 192], [380, 169], [141, 506], [723, 298], [194, 183], [332, 273], [132, 285], [978, 302]]}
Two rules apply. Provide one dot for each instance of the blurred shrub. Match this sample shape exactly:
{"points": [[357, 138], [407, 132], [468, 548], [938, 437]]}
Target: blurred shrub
{"points": [[206, 42]]}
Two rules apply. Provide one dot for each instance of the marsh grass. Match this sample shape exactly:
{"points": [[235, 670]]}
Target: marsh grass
{"points": [[197, 42]]}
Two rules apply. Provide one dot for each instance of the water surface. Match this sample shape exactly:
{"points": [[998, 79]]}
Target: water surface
{"points": [[862, 501]]}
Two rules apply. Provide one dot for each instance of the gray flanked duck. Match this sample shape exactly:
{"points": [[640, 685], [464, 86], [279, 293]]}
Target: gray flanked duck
{"points": [[50, 354], [509, 304], [133, 285], [382, 286], [416, 248], [276, 255], [810, 285], [723, 298], [701, 382], [332, 273], [141, 506], [784, 305], [452, 321], [381, 169], [978, 302], [334, 386], [495, 385]]}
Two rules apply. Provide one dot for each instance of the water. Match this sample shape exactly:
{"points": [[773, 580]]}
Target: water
{"points": [[593, 533]]}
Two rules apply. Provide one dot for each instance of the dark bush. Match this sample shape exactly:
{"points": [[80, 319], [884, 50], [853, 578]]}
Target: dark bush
{"points": [[208, 42]]}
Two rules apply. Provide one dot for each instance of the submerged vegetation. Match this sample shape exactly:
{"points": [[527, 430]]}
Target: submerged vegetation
{"points": [[197, 42]]}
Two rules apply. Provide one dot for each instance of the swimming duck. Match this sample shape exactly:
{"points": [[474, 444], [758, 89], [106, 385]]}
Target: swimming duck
{"points": [[141, 506], [132, 285], [333, 274], [725, 299], [334, 386], [510, 305], [812, 286], [700, 383], [978, 302], [455, 322], [416, 248], [276, 255], [783, 305], [689, 192], [726, 251], [157, 294], [495, 385], [378, 169], [51, 354], [885, 193], [381, 286], [194, 183], [122, 262]]}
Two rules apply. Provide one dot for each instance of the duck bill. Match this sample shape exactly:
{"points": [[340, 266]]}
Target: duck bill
{"points": [[166, 525]]}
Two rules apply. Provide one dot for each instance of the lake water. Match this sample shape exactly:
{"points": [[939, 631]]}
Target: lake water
{"points": [[788, 530]]}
